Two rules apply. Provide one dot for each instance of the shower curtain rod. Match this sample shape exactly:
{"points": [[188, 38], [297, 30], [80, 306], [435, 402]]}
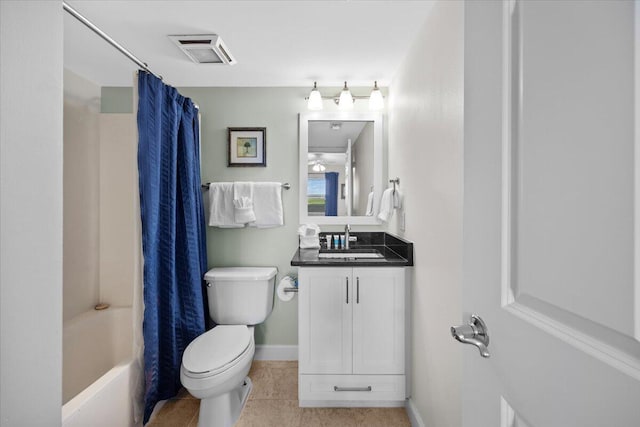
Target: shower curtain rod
{"points": [[107, 38]]}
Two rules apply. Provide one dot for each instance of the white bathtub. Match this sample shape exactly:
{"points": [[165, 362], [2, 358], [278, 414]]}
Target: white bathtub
{"points": [[97, 369]]}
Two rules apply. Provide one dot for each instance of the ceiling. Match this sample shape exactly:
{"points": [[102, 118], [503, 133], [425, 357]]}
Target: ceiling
{"points": [[332, 136], [276, 43]]}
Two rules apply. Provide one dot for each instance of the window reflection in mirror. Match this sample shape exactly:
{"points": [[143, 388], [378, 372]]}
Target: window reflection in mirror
{"points": [[316, 194]]}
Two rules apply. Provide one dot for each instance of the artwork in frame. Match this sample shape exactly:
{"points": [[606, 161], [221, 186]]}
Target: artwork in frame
{"points": [[247, 147]]}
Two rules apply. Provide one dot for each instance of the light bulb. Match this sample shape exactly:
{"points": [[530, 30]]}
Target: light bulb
{"points": [[346, 100], [315, 99], [318, 167], [376, 102]]}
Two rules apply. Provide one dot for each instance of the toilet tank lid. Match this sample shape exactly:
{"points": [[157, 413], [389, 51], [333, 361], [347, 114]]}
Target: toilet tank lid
{"points": [[241, 273]]}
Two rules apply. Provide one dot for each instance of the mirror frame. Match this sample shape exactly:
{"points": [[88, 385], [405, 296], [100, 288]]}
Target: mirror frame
{"points": [[378, 179]]}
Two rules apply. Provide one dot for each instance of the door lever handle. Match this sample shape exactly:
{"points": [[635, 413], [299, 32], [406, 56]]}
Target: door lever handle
{"points": [[474, 333]]}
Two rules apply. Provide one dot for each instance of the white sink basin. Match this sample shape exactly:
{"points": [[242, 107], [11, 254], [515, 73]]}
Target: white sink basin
{"points": [[348, 254]]}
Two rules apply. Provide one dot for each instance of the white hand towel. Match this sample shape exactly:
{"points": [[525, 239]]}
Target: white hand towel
{"points": [[369, 211], [221, 205], [386, 205], [243, 202], [398, 199], [267, 204]]}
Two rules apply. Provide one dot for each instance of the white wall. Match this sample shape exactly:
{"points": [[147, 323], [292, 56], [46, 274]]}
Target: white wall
{"points": [[100, 188], [31, 40], [119, 239], [425, 151], [363, 164], [81, 195]]}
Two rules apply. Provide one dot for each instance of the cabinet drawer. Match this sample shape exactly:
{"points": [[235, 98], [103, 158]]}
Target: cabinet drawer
{"points": [[341, 388]]}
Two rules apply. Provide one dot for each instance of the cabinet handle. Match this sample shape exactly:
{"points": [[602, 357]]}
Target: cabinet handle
{"points": [[336, 388], [347, 289], [357, 290]]}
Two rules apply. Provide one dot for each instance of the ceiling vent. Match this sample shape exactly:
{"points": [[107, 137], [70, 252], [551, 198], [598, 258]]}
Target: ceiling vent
{"points": [[204, 49]]}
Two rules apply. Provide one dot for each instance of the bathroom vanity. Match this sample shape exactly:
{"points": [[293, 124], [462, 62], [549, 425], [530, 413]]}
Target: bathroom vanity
{"points": [[353, 323]]}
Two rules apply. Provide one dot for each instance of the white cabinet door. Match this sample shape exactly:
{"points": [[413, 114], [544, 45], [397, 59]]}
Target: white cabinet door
{"points": [[378, 320], [551, 211], [325, 320]]}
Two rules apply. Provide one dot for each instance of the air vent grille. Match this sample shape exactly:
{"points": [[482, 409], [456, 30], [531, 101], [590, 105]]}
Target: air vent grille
{"points": [[204, 48]]}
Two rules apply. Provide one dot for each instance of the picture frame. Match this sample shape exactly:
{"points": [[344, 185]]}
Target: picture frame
{"points": [[247, 146]]}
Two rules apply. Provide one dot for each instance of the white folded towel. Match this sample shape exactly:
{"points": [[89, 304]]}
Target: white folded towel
{"points": [[309, 242], [221, 210], [390, 200], [309, 236], [386, 205], [243, 202], [369, 211], [267, 205], [243, 210]]}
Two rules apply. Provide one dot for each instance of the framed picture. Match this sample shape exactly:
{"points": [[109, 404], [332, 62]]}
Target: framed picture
{"points": [[247, 147]]}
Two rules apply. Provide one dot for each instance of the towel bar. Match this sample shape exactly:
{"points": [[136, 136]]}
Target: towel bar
{"points": [[286, 186]]}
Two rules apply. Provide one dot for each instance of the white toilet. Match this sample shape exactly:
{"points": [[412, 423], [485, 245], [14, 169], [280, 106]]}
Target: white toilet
{"points": [[215, 365]]}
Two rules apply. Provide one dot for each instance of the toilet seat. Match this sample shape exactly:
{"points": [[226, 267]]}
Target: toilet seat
{"points": [[216, 351]]}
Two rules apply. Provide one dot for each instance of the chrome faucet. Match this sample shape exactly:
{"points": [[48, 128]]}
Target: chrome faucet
{"points": [[347, 229]]}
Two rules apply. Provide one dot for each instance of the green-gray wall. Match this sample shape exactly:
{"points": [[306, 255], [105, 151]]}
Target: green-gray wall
{"points": [[277, 110]]}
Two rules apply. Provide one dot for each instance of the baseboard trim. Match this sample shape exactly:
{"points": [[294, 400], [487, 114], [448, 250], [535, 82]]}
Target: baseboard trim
{"points": [[276, 352], [413, 414]]}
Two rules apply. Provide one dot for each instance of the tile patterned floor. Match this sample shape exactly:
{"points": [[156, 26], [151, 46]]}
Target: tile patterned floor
{"points": [[273, 402]]}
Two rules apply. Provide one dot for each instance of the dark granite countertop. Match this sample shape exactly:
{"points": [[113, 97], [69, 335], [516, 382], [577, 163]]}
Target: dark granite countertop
{"points": [[397, 252]]}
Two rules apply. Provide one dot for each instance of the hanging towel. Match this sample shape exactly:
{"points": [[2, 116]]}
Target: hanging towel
{"points": [[243, 202], [221, 209], [386, 205], [369, 211], [397, 199], [267, 204]]}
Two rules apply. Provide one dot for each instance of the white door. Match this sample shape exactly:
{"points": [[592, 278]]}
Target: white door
{"points": [[551, 246], [325, 320], [378, 320]]}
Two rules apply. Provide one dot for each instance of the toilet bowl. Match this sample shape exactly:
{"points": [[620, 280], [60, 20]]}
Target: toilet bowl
{"points": [[214, 368], [215, 365]]}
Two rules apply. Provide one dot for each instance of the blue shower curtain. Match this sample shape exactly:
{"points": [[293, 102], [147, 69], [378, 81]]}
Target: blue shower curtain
{"points": [[331, 193], [173, 233]]}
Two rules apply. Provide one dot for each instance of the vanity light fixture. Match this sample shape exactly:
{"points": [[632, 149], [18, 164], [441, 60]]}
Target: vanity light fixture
{"points": [[315, 99], [345, 99], [319, 167], [345, 102], [375, 99]]}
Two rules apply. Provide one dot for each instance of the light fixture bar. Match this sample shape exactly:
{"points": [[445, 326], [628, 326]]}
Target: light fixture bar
{"points": [[314, 100]]}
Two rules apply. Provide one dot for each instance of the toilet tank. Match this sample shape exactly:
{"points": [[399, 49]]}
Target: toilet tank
{"points": [[240, 295]]}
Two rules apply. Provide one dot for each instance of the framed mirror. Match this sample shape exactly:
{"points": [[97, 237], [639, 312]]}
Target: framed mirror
{"points": [[340, 167]]}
